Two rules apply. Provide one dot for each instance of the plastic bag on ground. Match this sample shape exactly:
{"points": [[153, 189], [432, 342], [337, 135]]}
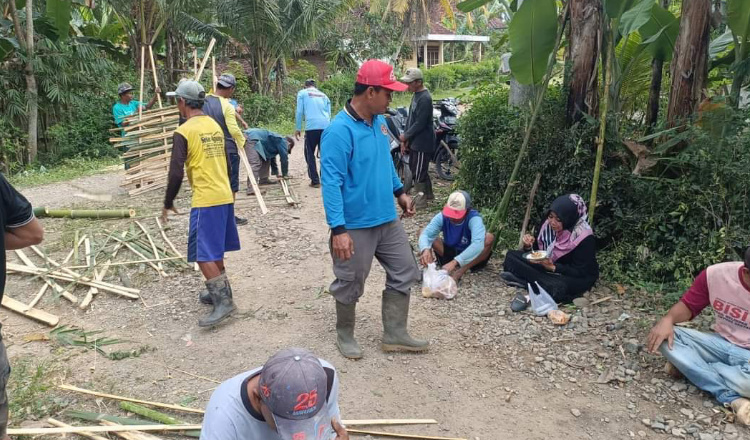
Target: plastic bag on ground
{"points": [[541, 303], [438, 284]]}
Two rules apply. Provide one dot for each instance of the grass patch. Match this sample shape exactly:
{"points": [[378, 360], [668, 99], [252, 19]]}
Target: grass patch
{"points": [[284, 128], [29, 389], [67, 170]]}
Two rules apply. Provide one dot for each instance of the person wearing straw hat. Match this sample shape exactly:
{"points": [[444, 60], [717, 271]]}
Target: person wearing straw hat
{"points": [[465, 243], [198, 146], [359, 185], [294, 396], [127, 106]]}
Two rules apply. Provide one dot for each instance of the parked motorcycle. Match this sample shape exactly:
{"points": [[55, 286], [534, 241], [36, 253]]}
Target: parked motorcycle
{"points": [[396, 123]]}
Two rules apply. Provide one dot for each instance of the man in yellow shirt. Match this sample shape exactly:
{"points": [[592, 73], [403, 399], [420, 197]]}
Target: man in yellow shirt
{"points": [[198, 146], [218, 107]]}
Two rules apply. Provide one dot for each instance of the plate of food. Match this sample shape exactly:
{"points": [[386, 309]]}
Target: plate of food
{"points": [[536, 255]]}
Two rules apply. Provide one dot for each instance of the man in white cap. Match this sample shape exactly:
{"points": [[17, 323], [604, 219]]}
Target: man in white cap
{"points": [[465, 243], [419, 136], [198, 146], [127, 106], [294, 396]]}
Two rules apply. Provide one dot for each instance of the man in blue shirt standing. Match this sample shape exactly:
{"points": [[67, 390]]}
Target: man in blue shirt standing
{"points": [[465, 244], [315, 107], [127, 106], [359, 183]]}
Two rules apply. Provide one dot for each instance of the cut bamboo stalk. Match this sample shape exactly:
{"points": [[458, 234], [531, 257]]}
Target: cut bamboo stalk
{"points": [[389, 422], [99, 276], [75, 240], [35, 314], [156, 416], [213, 73], [88, 213], [529, 205], [256, 189], [129, 435], [135, 251], [145, 189], [153, 69], [101, 285], [195, 61], [37, 297], [143, 74], [205, 59], [87, 248], [153, 246], [128, 399], [95, 429], [56, 287], [390, 434], [72, 251], [126, 263], [88, 435], [166, 239]]}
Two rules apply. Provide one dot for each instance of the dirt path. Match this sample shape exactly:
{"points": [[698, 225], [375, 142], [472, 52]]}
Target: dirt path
{"points": [[490, 374]]}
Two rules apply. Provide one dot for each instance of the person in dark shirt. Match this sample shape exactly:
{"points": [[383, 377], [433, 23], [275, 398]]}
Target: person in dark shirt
{"points": [[20, 229], [419, 137], [570, 268]]}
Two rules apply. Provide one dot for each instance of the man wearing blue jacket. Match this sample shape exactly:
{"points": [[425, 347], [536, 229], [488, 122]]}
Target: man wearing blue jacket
{"points": [[261, 149], [465, 244], [359, 184], [315, 107]]}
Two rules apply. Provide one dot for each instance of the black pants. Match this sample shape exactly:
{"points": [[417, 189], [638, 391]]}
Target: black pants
{"points": [[312, 141], [419, 163], [563, 289]]}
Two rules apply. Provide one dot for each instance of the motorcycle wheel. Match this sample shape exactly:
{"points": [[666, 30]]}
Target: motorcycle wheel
{"points": [[445, 166], [403, 170]]}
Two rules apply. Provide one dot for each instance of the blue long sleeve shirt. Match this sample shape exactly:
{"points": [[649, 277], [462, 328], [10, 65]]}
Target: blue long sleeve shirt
{"points": [[269, 145], [357, 173], [315, 107], [433, 229]]}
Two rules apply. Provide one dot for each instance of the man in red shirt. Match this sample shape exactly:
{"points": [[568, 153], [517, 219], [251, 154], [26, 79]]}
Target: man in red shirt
{"points": [[718, 362]]}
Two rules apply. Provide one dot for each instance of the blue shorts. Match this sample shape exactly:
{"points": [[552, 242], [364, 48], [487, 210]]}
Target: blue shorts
{"points": [[234, 172], [212, 233]]}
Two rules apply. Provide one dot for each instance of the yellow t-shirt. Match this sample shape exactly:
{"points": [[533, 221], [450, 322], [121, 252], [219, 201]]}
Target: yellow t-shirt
{"points": [[206, 163]]}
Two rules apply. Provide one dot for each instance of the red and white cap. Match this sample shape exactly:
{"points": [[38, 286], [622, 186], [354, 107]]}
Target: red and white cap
{"points": [[458, 205], [378, 73]]}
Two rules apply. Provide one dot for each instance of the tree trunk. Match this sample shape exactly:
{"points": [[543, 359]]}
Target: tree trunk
{"points": [[690, 63], [585, 26], [654, 93], [520, 95], [31, 87]]}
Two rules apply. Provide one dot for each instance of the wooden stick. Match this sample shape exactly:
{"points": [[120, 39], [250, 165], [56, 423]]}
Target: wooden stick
{"points": [[129, 435], [213, 71], [88, 435], [166, 239], [187, 373], [529, 205], [35, 314], [390, 434], [101, 285], [99, 276], [384, 422], [153, 68], [56, 287], [205, 59], [248, 168], [599, 301], [128, 399], [153, 245], [125, 263], [87, 248], [37, 297], [143, 74], [92, 429], [135, 251], [72, 251]]}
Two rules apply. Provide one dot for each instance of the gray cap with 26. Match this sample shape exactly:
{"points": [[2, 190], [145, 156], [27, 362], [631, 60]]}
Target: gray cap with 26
{"points": [[412, 75], [189, 89]]}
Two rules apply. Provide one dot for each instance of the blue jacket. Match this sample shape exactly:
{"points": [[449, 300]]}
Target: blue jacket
{"points": [[471, 242], [268, 145], [315, 106], [357, 173]]}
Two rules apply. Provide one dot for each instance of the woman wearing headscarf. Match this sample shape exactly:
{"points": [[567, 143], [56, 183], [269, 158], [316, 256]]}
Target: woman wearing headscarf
{"points": [[570, 268]]}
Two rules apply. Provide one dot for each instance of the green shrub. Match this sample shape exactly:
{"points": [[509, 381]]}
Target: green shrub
{"points": [[450, 76], [659, 229], [338, 88], [302, 70], [82, 135]]}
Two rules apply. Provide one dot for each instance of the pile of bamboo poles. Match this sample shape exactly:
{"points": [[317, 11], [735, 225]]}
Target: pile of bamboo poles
{"points": [[98, 253]]}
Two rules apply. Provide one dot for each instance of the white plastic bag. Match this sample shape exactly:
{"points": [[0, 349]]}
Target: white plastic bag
{"points": [[438, 284], [542, 303]]}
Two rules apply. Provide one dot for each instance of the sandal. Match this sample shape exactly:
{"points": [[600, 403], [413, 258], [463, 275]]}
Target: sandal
{"points": [[519, 303], [511, 280]]}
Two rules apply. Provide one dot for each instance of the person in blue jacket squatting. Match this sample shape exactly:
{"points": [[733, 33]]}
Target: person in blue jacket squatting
{"points": [[465, 244], [359, 184]]}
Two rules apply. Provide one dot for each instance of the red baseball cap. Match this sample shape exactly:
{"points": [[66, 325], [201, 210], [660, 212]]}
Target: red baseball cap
{"points": [[378, 73]]}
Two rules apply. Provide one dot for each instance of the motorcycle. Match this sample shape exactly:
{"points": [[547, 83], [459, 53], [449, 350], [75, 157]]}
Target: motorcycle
{"points": [[395, 121]]}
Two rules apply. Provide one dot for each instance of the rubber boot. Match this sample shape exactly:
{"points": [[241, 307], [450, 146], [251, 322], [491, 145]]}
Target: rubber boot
{"points": [[223, 306], [205, 298], [395, 317], [345, 319], [741, 409], [420, 202]]}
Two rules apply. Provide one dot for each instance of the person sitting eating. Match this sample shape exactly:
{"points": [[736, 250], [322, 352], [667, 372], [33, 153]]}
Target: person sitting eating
{"points": [[716, 362], [465, 243], [562, 259]]}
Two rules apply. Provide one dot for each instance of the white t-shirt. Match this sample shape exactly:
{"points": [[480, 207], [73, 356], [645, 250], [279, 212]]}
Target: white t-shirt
{"points": [[229, 415]]}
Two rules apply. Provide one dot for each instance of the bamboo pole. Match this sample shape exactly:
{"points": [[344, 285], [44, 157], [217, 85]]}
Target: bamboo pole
{"points": [[529, 205], [35, 314], [213, 73], [390, 434], [166, 239], [389, 422], [602, 121], [88, 435], [88, 213], [195, 61], [135, 251], [95, 429], [143, 74], [38, 296], [128, 399], [156, 79], [251, 176], [101, 285], [205, 59], [56, 287], [99, 276], [126, 263], [153, 245], [129, 435]]}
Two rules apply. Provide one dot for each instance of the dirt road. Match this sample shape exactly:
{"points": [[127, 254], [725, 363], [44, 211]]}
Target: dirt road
{"points": [[490, 374]]}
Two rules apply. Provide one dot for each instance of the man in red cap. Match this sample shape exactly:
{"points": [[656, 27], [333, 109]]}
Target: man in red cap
{"points": [[359, 184]]}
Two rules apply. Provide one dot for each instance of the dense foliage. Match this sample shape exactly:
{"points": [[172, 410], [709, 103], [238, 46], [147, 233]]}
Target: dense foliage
{"points": [[662, 228]]}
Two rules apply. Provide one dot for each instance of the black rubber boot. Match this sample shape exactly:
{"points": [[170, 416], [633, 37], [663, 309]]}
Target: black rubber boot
{"points": [[395, 317], [205, 298], [239, 221], [420, 202], [345, 320], [221, 295]]}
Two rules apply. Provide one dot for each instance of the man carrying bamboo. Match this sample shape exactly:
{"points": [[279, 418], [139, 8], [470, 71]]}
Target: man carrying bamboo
{"points": [[198, 145], [20, 229], [127, 106], [218, 107]]}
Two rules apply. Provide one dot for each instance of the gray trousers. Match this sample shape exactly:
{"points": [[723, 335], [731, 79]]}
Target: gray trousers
{"points": [[259, 166], [390, 245]]}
